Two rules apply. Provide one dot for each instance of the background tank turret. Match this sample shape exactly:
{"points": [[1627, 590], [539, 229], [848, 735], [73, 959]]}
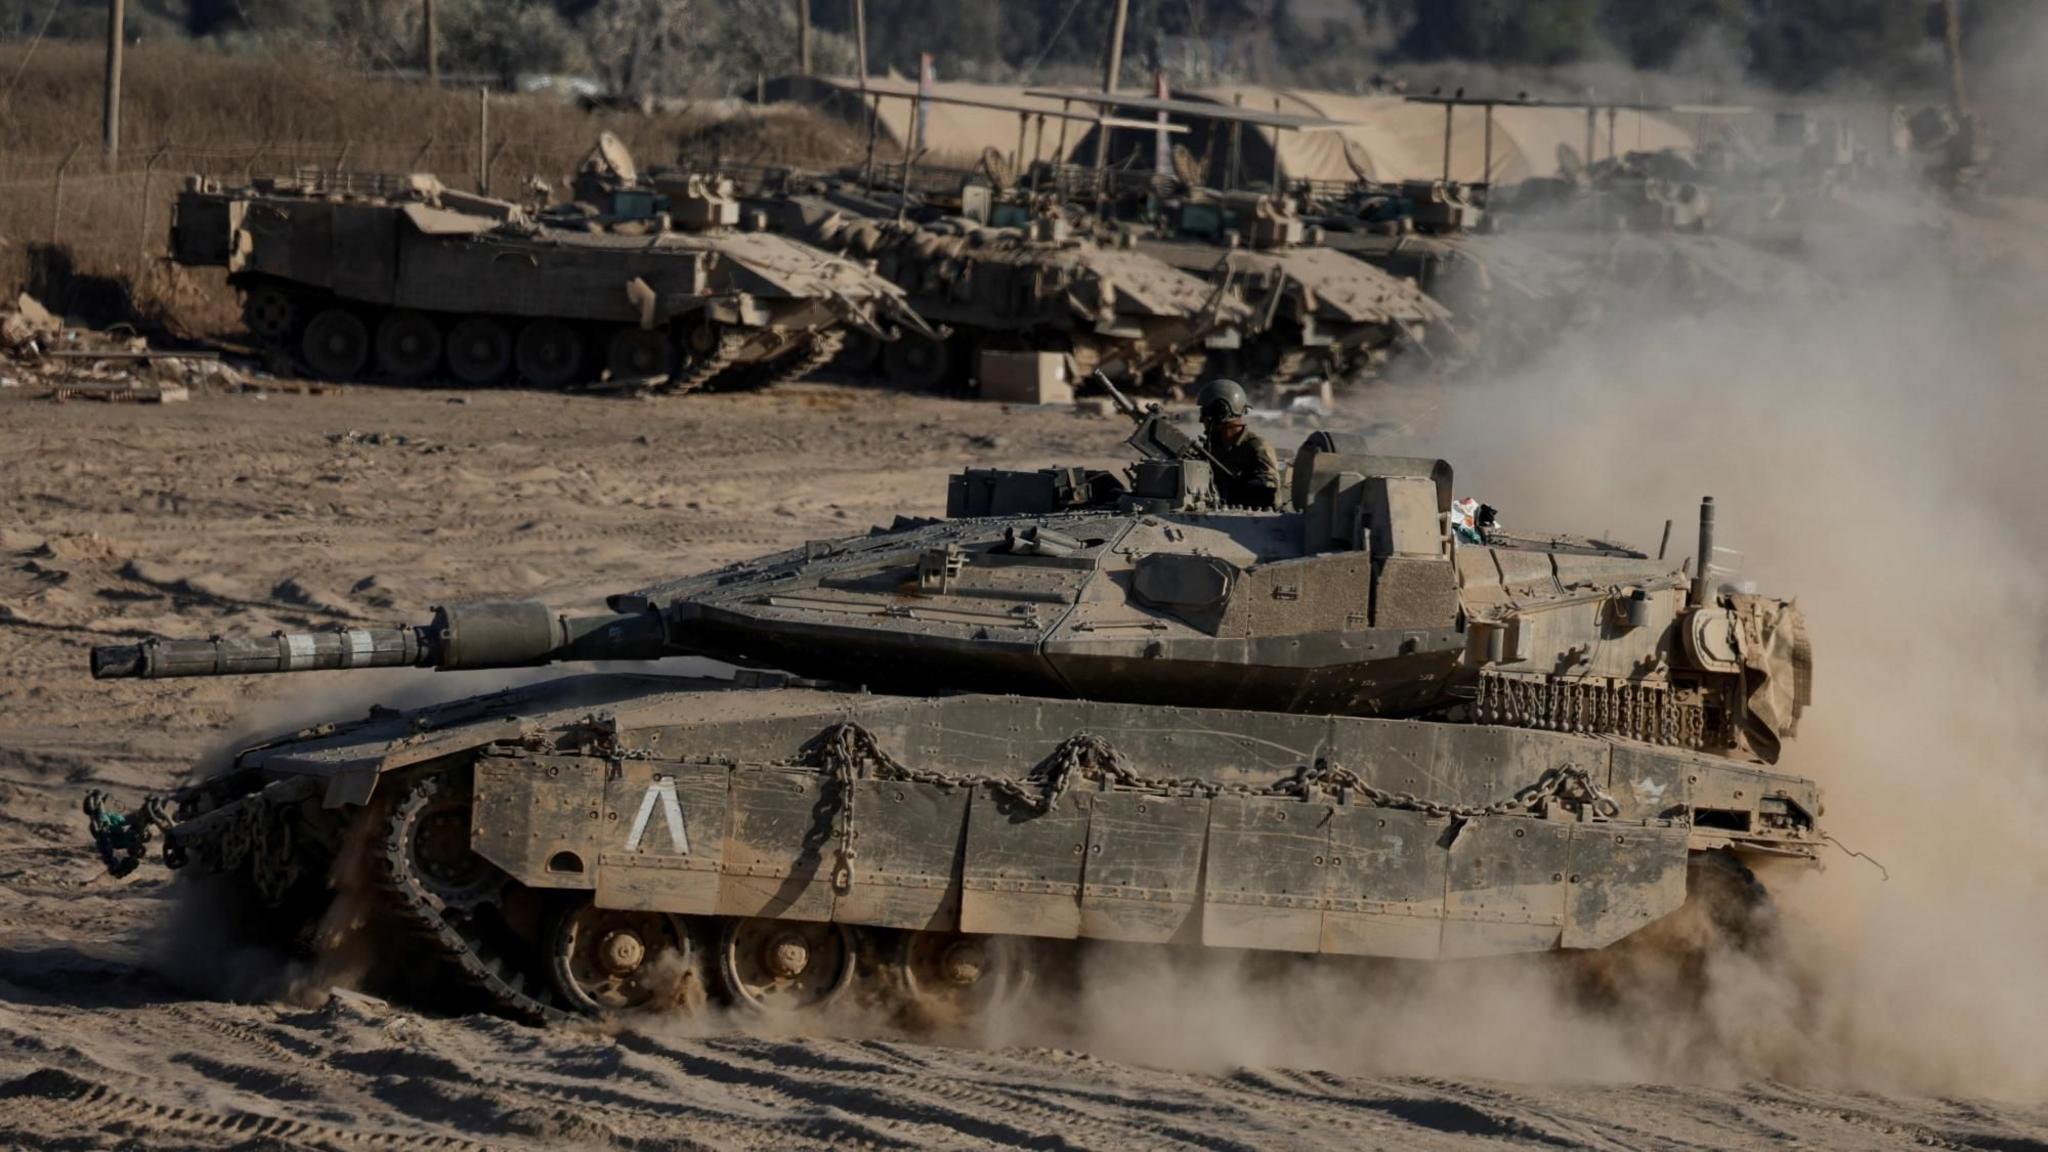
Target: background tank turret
{"points": [[1085, 705], [399, 277]]}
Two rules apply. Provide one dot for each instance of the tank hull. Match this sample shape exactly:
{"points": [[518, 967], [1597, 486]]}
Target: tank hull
{"points": [[990, 818]]}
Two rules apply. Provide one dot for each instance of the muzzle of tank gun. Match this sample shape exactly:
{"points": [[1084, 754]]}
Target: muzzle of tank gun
{"points": [[1703, 562], [508, 634]]}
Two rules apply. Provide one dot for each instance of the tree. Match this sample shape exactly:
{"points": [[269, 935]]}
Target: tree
{"points": [[634, 43], [1652, 35], [1805, 44], [505, 38], [1538, 32]]}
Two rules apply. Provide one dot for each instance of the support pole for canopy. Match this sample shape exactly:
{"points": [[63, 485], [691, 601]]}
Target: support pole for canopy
{"points": [[1233, 169], [1059, 160], [867, 168], [909, 158], [871, 111], [1486, 174], [1592, 132], [1112, 65], [1613, 144], [1037, 150], [1449, 111], [1276, 153], [1017, 157]]}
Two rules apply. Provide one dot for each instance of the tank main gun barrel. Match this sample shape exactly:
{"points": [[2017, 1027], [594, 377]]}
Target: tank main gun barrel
{"points": [[508, 634], [1703, 563]]}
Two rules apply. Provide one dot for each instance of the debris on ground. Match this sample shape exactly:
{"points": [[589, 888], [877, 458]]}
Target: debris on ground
{"points": [[72, 363]]}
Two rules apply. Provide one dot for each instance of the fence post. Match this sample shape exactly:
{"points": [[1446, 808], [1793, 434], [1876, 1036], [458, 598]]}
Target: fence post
{"points": [[491, 164], [420, 156], [142, 227], [57, 199]]}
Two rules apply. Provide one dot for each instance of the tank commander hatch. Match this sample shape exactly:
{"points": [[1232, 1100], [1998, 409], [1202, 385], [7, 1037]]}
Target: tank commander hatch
{"points": [[1250, 476]]}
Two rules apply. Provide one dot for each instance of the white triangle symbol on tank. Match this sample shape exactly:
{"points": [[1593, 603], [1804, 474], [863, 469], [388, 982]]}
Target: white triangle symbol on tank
{"points": [[662, 791]]}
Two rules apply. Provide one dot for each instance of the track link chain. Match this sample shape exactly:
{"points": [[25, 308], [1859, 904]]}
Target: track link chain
{"points": [[453, 933], [793, 365], [730, 345]]}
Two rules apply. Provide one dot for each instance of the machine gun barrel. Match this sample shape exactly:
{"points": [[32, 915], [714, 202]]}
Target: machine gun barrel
{"points": [[512, 634]]}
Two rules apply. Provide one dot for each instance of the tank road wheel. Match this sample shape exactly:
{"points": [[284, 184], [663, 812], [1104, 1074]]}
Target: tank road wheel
{"points": [[638, 354], [948, 978], [549, 354], [269, 313], [606, 961], [785, 966], [917, 364], [437, 847], [479, 351], [408, 346], [860, 355], [337, 345]]}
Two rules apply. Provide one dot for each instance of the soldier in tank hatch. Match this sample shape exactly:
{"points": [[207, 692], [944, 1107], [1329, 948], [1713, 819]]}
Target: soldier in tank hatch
{"points": [[1253, 472]]}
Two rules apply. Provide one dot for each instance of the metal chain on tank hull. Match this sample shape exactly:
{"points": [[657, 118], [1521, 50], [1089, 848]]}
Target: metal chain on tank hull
{"points": [[845, 749]]}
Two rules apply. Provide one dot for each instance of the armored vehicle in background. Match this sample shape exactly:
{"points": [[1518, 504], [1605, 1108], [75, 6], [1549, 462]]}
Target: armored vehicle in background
{"points": [[1003, 279], [404, 279], [1083, 707], [1314, 311]]}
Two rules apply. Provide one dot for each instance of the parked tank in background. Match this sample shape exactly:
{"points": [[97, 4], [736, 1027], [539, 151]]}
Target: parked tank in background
{"points": [[1003, 279], [1314, 311], [400, 278], [1085, 706]]}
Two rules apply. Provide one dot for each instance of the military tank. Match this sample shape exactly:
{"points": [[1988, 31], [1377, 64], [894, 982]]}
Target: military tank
{"points": [[1083, 707], [402, 278], [1000, 278], [1314, 311]]}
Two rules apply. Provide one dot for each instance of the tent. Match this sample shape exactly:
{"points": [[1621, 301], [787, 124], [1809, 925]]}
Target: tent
{"points": [[1385, 138]]}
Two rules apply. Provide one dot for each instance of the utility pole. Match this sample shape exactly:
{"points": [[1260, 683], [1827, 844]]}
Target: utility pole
{"points": [[430, 45], [1111, 65], [110, 134], [803, 37], [867, 110]]}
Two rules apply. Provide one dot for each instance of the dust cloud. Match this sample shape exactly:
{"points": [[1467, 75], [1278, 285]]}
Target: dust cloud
{"points": [[1877, 454]]}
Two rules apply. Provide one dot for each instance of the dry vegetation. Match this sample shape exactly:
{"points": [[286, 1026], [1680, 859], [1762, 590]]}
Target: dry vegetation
{"points": [[97, 249]]}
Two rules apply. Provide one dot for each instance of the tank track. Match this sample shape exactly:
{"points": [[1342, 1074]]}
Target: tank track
{"points": [[791, 366], [824, 348], [730, 345], [451, 933]]}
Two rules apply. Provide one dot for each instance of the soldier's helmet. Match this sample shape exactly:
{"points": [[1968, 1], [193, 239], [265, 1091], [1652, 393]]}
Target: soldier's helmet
{"points": [[1222, 400]]}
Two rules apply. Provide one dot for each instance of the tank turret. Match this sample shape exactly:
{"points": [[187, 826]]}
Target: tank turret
{"points": [[1366, 595]]}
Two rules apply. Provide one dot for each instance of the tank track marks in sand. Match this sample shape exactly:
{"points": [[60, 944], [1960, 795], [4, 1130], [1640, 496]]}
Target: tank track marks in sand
{"points": [[86, 1105], [797, 1078], [995, 1111]]}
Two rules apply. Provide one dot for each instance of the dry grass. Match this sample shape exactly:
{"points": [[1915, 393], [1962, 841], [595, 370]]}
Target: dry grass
{"points": [[97, 250]]}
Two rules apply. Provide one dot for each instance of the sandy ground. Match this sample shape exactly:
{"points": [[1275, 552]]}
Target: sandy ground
{"points": [[241, 513]]}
